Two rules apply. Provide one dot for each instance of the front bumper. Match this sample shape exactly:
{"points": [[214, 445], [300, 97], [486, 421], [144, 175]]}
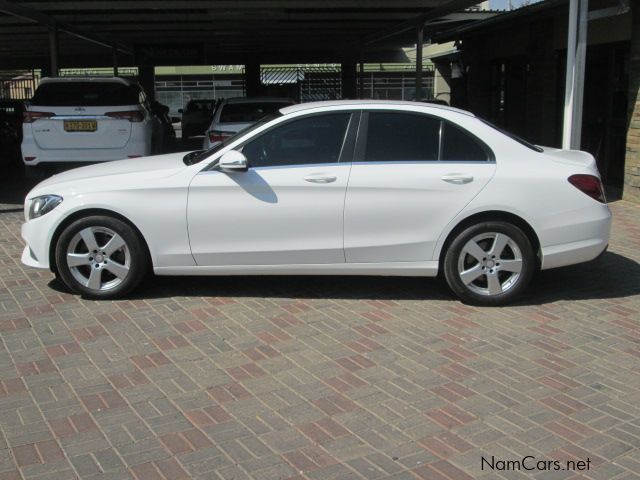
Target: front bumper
{"points": [[29, 259], [37, 234]]}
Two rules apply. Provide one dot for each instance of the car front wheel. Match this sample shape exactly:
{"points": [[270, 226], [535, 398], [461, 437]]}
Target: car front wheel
{"points": [[489, 263], [100, 257]]}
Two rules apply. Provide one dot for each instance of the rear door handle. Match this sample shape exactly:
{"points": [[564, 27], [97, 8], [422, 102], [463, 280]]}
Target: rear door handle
{"points": [[457, 178], [317, 178]]}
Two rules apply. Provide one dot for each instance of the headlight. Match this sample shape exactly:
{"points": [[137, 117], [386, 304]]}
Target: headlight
{"points": [[42, 205]]}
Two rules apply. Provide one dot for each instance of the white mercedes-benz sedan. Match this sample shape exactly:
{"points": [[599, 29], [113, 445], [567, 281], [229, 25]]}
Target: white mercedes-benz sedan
{"points": [[329, 188]]}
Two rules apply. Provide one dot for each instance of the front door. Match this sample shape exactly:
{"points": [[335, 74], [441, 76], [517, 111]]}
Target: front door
{"points": [[286, 209]]}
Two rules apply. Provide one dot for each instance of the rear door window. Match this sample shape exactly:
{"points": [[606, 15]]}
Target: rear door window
{"points": [[86, 94], [398, 137]]}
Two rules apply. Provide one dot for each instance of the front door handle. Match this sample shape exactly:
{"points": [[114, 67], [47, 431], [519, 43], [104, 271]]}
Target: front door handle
{"points": [[316, 178], [457, 178]]}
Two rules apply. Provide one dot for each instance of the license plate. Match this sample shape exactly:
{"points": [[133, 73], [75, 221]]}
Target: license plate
{"points": [[80, 125]]}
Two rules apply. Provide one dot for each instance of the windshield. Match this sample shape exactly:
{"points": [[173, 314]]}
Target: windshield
{"points": [[249, 112], [198, 105], [195, 157], [85, 94]]}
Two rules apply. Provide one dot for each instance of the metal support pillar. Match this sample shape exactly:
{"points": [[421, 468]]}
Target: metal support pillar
{"points": [[349, 75], [252, 81], [361, 78], [419, 44], [574, 87], [114, 51], [53, 50], [146, 77]]}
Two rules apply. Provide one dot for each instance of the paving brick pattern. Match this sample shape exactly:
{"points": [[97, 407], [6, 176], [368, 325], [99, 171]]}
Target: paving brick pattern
{"points": [[320, 378]]}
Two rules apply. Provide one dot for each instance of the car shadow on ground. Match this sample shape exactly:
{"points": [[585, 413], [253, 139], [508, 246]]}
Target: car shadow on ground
{"points": [[610, 276]]}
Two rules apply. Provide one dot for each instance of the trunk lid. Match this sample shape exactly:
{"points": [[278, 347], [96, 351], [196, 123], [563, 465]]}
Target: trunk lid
{"points": [[231, 127], [576, 158], [81, 127]]}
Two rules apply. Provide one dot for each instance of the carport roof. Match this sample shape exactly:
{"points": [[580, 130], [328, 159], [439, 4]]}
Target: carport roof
{"points": [[173, 32], [508, 16]]}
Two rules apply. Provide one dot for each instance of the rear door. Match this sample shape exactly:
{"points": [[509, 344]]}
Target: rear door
{"points": [[84, 115], [412, 173]]}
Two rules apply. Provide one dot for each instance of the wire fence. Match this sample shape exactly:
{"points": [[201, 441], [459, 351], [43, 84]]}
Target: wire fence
{"points": [[18, 85], [302, 83]]}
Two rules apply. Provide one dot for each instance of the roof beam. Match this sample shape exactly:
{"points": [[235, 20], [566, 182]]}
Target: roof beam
{"points": [[20, 11], [234, 4], [443, 9]]}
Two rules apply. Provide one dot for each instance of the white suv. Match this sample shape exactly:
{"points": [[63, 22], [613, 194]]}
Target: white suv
{"points": [[88, 120]]}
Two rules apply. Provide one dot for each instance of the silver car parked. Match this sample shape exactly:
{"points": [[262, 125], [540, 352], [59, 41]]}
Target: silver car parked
{"points": [[236, 114]]}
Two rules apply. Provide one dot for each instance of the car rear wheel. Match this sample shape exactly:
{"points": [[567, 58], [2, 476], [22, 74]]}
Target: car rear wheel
{"points": [[101, 257], [490, 263]]}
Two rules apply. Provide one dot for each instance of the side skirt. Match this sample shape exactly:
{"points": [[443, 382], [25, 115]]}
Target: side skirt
{"points": [[400, 269]]}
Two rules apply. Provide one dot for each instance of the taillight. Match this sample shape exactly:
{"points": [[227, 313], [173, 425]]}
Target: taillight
{"points": [[30, 117], [217, 136], [131, 115], [590, 185]]}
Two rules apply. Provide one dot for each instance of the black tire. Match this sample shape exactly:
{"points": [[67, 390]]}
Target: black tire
{"points": [[484, 290], [132, 255]]}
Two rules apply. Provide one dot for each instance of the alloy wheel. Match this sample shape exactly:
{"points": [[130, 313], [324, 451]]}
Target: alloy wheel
{"points": [[98, 258], [490, 264]]}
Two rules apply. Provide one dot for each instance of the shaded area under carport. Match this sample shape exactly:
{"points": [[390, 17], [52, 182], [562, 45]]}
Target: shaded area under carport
{"points": [[50, 35], [195, 32]]}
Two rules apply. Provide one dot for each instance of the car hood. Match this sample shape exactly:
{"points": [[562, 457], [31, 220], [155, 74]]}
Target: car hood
{"points": [[125, 173], [157, 166]]}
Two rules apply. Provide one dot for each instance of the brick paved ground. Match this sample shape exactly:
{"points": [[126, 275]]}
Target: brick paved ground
{"points": [[328, 378]]}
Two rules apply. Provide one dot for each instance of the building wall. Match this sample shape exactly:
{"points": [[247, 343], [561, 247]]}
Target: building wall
{"points": [[514, 76], [442, 82], [531, 47], [632, 161], [542, 83]]}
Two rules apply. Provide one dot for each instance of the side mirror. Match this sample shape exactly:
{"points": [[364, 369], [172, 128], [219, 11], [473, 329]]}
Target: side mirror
{"points": [[180, 110], [233, 161]]}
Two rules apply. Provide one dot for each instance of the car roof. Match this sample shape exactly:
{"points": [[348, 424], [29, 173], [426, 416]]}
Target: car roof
{"points": [[258, 100], [369, 103], [120, 80]]}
